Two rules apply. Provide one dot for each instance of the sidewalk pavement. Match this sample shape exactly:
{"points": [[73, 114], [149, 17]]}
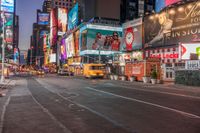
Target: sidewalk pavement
{"points": [[5, 86]]}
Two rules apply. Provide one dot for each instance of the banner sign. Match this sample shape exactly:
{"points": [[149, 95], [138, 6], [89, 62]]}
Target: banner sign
{"points": [[173, 26], [132, 35], [192, 65]]}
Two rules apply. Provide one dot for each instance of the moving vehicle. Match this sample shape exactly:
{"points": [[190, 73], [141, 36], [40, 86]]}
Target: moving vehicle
{"points": [[93, 70], [63, 72]]}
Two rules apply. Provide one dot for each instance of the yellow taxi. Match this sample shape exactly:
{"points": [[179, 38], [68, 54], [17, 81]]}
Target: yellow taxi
{"points": [[93, 70]]}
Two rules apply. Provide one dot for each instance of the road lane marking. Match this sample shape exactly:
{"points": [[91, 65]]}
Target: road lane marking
{"points": [[169, 93], [87, 108], [65, 129], [3, 114], [94, 112], [148, 103]]}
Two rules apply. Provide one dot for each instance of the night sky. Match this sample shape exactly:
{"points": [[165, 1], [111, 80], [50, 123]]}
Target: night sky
{"points": [[26, 9]]}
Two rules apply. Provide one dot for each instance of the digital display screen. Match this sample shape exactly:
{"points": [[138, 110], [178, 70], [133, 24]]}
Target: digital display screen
{"points": [[160, 4], [43, 18], [7, 5]]}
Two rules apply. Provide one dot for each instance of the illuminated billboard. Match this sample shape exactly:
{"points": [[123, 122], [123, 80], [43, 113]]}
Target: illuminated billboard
{"points": [[93, 38], [53, 27], [132, 35], [160, 4], [43, 32], [70, 46], [174, 26], [185, 50], [62, 21], [63, 54], [7, 5], [73, 17], [43, 18], [8, 28]]}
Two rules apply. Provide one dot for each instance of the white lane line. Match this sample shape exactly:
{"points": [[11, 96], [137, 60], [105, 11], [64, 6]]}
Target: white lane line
{"points": [[95, 112], [148, 103], [168, 93], [3, 114], [66, 130], [87, 108]]}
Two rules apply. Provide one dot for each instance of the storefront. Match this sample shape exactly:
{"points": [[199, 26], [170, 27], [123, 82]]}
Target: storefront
{"points": [[169, 59]]}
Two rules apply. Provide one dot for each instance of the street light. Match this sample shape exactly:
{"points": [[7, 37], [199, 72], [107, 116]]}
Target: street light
{"points": [[3, 49], [31, 55]]}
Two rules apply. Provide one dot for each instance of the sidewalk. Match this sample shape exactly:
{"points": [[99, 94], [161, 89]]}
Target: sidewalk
{"points": [[5, 86]]}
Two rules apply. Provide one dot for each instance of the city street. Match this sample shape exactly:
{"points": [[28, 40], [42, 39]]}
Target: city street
{"points": [[55, 104]]}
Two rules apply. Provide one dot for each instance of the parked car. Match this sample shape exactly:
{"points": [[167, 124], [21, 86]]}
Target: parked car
{"points": [[63, 72]]}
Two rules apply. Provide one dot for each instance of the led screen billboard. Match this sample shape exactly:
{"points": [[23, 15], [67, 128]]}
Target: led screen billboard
{"points": [[160, 4], [63, 54], [62, 21], [43, 18], [7, 5], [132, 35], [73, 17], [101, 37], [53, 27], [185, 50], [43, 32], [176, 25], [8, 27], [70, 46]]}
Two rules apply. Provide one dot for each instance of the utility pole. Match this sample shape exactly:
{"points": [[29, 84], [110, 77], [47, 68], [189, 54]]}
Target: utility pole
{"points": [[3, 49]]}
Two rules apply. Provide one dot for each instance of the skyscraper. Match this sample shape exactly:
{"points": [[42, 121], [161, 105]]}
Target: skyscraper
{"points": [[131, 9]]}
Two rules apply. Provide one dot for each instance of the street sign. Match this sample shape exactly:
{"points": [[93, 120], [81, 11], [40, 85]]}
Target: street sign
{"points": [[192, 65]]}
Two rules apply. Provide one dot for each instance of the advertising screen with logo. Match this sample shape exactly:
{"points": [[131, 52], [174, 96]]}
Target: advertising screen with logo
{"points": [[43, 32], [7, 5], [62, 21], [104, 38], [73, 17], [160, 4], [76, 39], [176, 25], [63, 54], [132, 35], [70, 46], [43, 18], [53, 27], [187, 49], [52, 58]]}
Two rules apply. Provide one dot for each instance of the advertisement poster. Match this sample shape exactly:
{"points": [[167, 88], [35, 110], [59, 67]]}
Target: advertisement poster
{"points": [[43, 18], [189, 48], [63, 54], [73, 18], [76, 38], [7, 5], [176, 25], [53, 27], [8, 27], [70, 46], [62, 21], [102, 39], [160, 4], [132, 35], [43, 32]]}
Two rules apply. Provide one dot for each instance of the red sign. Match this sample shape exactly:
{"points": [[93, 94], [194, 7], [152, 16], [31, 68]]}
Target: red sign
{"points": [[165, 55]]}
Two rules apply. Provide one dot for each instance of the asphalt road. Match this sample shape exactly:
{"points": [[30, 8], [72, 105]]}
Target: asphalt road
{"points": [[53, 104]]}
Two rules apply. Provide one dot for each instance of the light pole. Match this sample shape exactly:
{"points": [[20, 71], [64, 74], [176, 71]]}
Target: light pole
{"points": [[31, 55], [3, 50]]}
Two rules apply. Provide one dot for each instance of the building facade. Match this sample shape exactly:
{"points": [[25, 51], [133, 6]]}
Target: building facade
{"points": [[132, 9]]}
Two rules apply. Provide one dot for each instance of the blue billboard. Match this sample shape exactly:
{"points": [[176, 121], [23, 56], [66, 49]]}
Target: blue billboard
{"points": [[7, 5], [73, 17], [160, 4], [43, 18]]}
